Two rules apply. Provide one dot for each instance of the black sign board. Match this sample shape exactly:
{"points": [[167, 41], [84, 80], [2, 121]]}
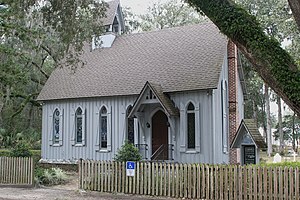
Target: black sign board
{"points": [[249, 155]]}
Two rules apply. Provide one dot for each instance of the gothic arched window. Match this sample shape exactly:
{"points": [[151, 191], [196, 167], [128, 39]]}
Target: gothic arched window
{"points": [[79, 125], [130, 126], [191, 140], [56, 126], [103, 127]]}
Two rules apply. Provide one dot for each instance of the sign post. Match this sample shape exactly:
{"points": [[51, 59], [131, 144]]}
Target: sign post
{"points": [[130, 168]]}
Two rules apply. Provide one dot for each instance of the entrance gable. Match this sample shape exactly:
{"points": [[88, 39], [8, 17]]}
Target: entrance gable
{"points": [[247, 133], [151, 94]]}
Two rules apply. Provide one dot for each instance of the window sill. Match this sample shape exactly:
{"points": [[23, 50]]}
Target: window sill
{"points": [[103, 151], [191, 152], [78, 145], [55, 145]]}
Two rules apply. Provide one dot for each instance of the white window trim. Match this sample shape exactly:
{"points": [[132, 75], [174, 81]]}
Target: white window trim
{"points": [[61, 123], [109, 127], [224, 107], [74, 134], [183, 128], [126, 125]]}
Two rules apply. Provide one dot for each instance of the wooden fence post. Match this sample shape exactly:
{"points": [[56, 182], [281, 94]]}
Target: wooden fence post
{"points": [[171, 179]]}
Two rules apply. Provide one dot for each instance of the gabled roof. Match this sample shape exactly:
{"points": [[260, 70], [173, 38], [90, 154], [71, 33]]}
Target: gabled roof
{"points": [[162, 98], [248, 128], [111, 12], [179, 59]]}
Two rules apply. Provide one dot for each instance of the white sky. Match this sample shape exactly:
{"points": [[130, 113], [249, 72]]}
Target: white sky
{"points": [[139, 6]]}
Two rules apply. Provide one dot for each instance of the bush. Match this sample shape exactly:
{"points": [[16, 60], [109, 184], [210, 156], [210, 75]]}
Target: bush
{"points": [[128, 152], [21, 150], [53, 176], [282, 164], [5, 153]]}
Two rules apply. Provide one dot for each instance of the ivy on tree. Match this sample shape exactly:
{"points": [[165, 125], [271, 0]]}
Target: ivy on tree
{"points": [[273, 64]]}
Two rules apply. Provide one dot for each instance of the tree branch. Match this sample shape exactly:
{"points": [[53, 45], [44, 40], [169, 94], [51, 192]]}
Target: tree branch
{"points": [[40, 69], [27, 99], [50, 53], [273, 64], [295, 7]]}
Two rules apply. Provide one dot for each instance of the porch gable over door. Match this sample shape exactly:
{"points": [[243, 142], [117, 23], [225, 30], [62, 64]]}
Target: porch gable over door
{"points": [[153, 94]]}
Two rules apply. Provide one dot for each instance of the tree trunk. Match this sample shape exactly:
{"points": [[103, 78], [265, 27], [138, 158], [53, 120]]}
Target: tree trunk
{"points": [[273, 64], [254, 107], [268, 116], [293, 134], [280, 125], [1, 107], [295, 6]]}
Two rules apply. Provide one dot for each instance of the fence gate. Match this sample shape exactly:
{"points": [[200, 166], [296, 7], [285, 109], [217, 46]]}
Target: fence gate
{"points": [[16, 171]]}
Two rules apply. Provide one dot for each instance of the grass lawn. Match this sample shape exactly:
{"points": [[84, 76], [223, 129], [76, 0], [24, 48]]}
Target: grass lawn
{"points": [[264, 156]]}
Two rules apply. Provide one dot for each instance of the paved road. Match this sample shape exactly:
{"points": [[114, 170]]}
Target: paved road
{"points": [[50, 193]]}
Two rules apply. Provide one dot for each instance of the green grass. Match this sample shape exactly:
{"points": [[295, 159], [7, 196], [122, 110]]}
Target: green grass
{"points": [[266, 159]]}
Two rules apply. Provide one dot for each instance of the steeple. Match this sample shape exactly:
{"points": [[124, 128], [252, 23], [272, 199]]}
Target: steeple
{"points": [[114, 25]]}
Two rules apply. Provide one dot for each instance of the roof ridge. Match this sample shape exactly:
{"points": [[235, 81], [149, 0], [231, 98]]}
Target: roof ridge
{"points": [[178, 59]]}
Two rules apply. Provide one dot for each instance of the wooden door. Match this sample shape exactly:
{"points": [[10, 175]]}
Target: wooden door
{"points": [[160, 133]]}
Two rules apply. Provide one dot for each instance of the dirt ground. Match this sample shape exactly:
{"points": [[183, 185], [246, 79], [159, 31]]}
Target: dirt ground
{"points": [[67, 191]]}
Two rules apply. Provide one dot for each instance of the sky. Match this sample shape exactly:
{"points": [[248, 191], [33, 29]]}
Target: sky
{"points": [[139, 6]]}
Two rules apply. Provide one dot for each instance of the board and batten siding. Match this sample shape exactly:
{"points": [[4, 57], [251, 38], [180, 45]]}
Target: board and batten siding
{"points": [[220, 156], [67, 152], [241, 102], [203, 152], [208, 122]]}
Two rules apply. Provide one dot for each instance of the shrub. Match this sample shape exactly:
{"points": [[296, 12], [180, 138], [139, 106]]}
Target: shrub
{"points": [[128, 152], [5, 153], [282, 164], [21, 150], [53, 176]]}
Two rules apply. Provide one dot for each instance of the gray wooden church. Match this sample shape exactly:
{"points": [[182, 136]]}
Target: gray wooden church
{"points": [[176, 93]]}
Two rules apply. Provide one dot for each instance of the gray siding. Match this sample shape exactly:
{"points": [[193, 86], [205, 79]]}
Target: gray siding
{"points": [[208, 115], [68, 152], [240, 101], [202, 101], [219, 155]]}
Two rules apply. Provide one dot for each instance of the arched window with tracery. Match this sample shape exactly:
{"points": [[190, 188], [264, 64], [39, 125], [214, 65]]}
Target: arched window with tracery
{"points": [[79, 126], [56, 126], [103, 128]]}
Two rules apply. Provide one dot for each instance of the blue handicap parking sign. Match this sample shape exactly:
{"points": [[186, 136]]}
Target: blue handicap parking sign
{"points": [[130, 165]]}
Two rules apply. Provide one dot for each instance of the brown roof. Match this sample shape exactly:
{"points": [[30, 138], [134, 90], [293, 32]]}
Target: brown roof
{"points": [[163, 99], [250, 126], [178, 59], [166, 102], [257, 137], [111, 12]]}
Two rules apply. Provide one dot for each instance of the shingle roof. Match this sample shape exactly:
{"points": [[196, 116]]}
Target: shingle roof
{"points": [[111, 12], [257, 137], [178, 59], [163, 99], [250, 126]]}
